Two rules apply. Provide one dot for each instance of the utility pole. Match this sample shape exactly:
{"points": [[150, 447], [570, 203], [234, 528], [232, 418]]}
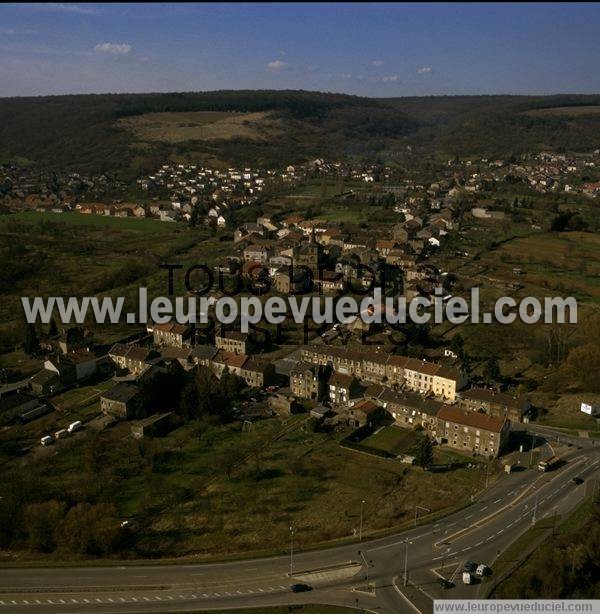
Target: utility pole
{"points": [[291, 551], [532, 448], [361, 520], [406, 562]]}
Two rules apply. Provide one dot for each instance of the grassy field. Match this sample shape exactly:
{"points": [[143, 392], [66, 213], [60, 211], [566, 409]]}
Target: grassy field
{"points": [[393, 439], [199, 126], [565, 412], [80, 255], [119, 224], [187, 499]]}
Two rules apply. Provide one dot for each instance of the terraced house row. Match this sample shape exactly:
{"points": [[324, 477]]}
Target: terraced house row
{"points": [[380, 367]]}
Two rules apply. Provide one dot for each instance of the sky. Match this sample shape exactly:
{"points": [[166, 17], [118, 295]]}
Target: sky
{"points": [[364, 49]]}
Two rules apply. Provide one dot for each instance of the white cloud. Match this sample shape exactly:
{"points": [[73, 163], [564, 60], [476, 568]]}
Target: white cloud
{"points": [[114, 48], [55, 7], [277, 65], [424, 70], [377, 63], [390, 78]]}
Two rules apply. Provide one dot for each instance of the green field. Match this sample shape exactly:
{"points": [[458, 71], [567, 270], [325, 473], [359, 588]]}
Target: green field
{"points": [[393, 439], [73, 218], [199, 126], [82, 255]]}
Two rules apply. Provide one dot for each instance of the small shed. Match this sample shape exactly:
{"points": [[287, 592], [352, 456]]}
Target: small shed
{"points": [[153, 426]]}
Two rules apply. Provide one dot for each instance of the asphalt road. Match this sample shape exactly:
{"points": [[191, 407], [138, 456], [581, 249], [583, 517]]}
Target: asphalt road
{"points": [[338, 575]]}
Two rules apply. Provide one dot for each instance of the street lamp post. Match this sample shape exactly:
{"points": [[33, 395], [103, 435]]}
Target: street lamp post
{"points": [[361, 520], [406, 562], [291, 551]]}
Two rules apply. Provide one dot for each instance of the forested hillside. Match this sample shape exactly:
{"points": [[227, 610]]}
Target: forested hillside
{"points": [[83, 132]]}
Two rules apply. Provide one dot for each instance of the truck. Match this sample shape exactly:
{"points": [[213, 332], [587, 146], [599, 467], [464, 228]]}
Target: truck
{"points": [[482, 570], [75, 426], [46, 440], [549, 463]]}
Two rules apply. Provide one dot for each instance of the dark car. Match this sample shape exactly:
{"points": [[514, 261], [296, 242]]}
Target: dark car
{"points": [[469, 566], [578, 481], [446, 583], [300, 588]]}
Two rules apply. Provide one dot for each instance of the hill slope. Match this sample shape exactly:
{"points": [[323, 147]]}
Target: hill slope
{"points": [[102, 132]]}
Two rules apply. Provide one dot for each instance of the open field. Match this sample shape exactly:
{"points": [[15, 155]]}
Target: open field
{"points": [[392, 439], [199, 126], [80, 255], [206, 490], [97, 221]]}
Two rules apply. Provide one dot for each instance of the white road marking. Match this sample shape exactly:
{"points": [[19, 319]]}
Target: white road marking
{"points": [[498, 500], [484, 508]]}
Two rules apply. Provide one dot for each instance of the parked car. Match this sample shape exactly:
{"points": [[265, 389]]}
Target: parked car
{"points": [[446, 583], [61, 434], [75, 426], [47, 440], [466, 577], [578, 481], [481, 570]]}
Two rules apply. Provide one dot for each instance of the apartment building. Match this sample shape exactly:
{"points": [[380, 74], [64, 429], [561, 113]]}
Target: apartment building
{"points": [[381, 367], [473, 432], [496, 404]]}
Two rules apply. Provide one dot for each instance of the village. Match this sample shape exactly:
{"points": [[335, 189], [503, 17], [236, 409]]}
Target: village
{"points": [[366, 387]]}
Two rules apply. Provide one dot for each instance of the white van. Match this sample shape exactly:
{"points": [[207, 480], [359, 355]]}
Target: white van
{"points": [[61, 434], [75, 426], [47, 440], [466, 577]]}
